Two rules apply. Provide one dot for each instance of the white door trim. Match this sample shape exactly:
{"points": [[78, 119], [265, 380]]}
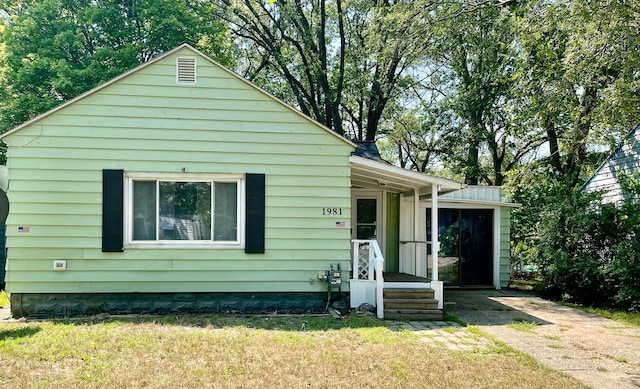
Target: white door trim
{"points": [[381, 222]]}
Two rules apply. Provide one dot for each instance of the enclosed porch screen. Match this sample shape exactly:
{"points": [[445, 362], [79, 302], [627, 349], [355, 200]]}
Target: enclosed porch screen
{"points": [[171, 210]]}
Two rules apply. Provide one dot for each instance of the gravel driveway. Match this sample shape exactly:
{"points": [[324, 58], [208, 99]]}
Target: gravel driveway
{"points": [[599, 352]]}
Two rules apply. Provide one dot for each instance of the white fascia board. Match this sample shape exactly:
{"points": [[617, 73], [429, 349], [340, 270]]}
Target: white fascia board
{"points": [[479, 202]]}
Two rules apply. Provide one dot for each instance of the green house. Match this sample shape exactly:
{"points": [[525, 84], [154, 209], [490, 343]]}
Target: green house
{"points": [[181, 187]]}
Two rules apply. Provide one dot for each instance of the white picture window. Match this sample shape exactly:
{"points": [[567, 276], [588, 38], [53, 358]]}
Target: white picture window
{"points": [[189, 210]]}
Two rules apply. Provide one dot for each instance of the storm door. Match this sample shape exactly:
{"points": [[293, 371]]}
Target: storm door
{"points": [[366, 217]]}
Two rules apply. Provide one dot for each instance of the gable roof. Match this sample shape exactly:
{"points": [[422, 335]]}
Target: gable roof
{"points": [[159, 58], [367, 166]]}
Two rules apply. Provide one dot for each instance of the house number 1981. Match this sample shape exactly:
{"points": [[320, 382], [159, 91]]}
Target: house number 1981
{"points": [[332, 211]]}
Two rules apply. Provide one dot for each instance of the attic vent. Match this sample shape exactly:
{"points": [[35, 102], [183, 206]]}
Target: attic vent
{"points": [[186, 70]]}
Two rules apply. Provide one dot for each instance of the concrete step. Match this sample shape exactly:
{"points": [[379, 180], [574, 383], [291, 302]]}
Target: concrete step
{"points": [[414, 314], [408, 293], [411, 303]]}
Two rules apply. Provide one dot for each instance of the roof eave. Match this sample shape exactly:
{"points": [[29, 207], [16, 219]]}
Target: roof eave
{"points": [[414, 180]]}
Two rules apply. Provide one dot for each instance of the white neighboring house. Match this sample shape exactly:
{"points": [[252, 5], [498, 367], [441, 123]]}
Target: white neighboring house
{"points": [[625, 159]]}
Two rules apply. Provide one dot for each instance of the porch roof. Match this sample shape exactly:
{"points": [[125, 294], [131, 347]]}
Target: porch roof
{"points": [[367, 173]]}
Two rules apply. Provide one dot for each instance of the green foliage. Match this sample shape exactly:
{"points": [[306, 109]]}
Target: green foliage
{"points": [[341, 62], [574, 68], [4, 299], [475, 57], [590, 252], [54, 50]]}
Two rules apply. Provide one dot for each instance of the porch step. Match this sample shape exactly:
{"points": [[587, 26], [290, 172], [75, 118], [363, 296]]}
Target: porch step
{"points": [[409, 303], [408, 293], [413, 314]]}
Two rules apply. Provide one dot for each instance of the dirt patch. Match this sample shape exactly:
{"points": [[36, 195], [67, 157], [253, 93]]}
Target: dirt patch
{"points": [[5, 313]]}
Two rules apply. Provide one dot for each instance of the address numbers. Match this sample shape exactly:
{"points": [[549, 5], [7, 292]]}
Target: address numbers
{"points": [[332, 211]]}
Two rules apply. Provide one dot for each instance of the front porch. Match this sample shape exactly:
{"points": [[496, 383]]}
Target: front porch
{"points": [[386, 218], [407, 214], [395, 295], [391, 278]]}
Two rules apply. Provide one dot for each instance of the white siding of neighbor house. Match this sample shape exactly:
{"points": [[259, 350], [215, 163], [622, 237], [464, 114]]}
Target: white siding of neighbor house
{"points": [[624, 160], [146, 122]]}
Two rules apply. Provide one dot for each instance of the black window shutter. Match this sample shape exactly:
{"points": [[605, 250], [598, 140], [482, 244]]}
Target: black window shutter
{"points": [[112, 211], [255, 214]]}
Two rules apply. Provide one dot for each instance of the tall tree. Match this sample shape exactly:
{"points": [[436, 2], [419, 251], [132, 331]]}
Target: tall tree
{"points": [[55, 50], [342, 61], [474, 54], [579, 77], [577, 83]]}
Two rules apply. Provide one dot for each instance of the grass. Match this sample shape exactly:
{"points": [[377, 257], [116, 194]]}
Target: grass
{"points": [[631, 319], [523, 325], [4, 299], [526, 285], [565, 327], [258, 351]]}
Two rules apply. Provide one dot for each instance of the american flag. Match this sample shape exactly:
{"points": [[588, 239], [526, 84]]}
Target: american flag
{"points": [[23, 229], [341, 224]]}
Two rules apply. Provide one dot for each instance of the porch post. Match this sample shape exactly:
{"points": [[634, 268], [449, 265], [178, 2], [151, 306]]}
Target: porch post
{"points": [[435, 244], [416, 229]]}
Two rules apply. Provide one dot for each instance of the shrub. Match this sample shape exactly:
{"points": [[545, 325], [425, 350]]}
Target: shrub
{"points": [[590, 253]]}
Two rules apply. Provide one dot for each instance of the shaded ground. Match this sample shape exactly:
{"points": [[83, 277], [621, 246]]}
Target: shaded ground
{"points": [[599, 352]]}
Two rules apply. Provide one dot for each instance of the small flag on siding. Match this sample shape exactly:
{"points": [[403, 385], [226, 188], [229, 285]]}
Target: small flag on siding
{"points": [[23, 229], [341, 224]]}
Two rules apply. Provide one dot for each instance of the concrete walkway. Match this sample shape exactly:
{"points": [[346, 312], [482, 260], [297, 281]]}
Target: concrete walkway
{"points": [[445, 334], [599, 352]]}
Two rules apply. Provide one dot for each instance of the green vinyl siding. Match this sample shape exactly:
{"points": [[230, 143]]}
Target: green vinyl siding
{"points": [[393, 233], [144, 122], [505, 245]]}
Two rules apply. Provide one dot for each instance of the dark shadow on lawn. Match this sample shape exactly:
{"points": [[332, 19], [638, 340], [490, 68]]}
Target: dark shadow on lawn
{"points": [[478, 307], [24, 332], [281, 322]]}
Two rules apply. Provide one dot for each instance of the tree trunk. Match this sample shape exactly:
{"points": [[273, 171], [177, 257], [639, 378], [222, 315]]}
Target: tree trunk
{"points": [[554, 149]]}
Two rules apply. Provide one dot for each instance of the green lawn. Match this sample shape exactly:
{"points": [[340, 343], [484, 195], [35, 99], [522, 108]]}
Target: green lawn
{"points": [[259, 351]]}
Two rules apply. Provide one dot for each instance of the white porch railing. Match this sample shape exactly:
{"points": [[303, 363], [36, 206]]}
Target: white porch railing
{"points": [[367, 282]]}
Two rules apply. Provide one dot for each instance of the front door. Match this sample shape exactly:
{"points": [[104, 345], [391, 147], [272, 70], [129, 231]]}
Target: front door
{"points": [[466, 249], [366, 216]]}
